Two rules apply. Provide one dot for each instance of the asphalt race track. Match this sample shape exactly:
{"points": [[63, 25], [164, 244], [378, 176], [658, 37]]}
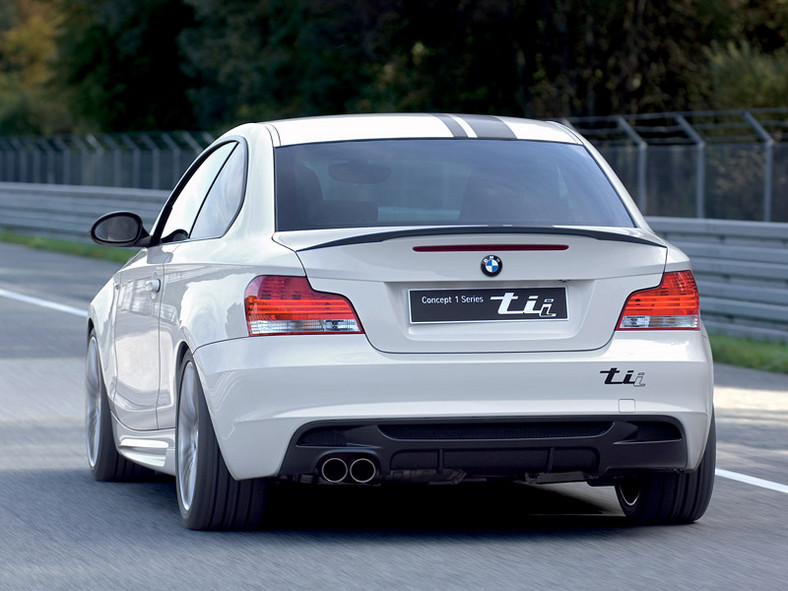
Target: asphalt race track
{"points": [[62, 530]]}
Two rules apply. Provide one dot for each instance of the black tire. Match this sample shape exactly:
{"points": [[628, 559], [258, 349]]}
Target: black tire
{"points": [[669, 497], [106, 464], [208, 496]]}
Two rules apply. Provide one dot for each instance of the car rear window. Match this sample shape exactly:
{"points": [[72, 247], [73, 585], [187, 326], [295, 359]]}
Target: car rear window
{"points": [[442, 182]]}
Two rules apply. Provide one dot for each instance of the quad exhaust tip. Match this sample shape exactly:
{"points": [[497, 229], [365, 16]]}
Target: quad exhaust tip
{"points": [[361, 470], [334, 470]]}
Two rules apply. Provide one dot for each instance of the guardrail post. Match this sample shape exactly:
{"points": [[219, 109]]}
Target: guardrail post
{"points": [[700, 164], [192, 143], [768, 148], [155, 159], [136, 161], [49, 177], [99, 149], [35, 154], [21, 154], [66, 159], [642, 145], [117, 172], [84, 168], [176, 156], [6, 156]]}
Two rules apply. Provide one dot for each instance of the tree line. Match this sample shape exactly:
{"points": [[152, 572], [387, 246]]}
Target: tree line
{"points": [[120, 65]]}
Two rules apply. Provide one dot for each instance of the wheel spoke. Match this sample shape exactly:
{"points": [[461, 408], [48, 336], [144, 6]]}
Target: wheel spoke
{"points": [[188, 436], [93, 403]]}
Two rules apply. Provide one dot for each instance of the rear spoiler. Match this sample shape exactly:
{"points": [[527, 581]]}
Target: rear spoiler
{"points": [[470, 230]]}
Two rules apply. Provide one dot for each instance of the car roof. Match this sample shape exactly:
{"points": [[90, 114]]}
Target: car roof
{"points": [[334, 128]]}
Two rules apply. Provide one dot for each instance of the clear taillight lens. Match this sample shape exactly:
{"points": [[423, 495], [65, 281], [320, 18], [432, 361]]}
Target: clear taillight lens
{"points": [[671, 306], [278, 305]]}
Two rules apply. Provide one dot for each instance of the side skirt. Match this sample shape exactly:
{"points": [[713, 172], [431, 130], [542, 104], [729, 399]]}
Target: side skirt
{"points": [[152, 449]]}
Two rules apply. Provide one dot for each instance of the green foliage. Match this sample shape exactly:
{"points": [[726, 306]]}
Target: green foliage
{"points": [[612, 56], [123, 65], [753, 354], [744, 77], [27, 30], [120, 68], [439, 56], [272, 59], [275, 58]]}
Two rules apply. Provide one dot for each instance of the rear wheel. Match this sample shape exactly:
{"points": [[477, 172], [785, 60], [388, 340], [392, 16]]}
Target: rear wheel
{"points": [[669, 497], [208, 496], [103, 458]]}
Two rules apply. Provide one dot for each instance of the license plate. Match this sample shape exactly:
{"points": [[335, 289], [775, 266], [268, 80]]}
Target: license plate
{"points": [[479, 305]]}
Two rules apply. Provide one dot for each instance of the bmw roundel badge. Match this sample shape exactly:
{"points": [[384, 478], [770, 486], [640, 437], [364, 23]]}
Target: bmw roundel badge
{"points": [[491, 265]]}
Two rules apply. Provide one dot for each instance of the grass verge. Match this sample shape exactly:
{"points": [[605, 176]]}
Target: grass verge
{"points": [[94, 251], [733, 351], [753, 354]]}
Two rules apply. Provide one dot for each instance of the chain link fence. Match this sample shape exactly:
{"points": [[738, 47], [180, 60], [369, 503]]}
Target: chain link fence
{"points": [[715, 164], [135, 161]]}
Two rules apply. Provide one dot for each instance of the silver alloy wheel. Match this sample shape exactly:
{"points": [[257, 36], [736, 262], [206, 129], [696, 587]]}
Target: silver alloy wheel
{"points": [[188, 436], [93, 402]]}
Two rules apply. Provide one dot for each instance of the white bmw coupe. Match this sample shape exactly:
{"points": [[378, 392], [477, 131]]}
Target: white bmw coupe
{"points": [[399, 298]]}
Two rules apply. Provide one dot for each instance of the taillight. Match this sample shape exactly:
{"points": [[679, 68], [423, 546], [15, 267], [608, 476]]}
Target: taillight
{"points": [[672, 305], [278, 305]]}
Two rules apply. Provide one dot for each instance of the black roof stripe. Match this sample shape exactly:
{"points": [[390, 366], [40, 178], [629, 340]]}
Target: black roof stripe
{"points": [[454, 127], [488, 127]]}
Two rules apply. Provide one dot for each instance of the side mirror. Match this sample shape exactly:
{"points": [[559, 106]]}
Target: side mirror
{"points": [[119, 229]]}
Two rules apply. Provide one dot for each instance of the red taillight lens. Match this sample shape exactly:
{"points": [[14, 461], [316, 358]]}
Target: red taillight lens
{"points": [[277, 305], [672, 305]]}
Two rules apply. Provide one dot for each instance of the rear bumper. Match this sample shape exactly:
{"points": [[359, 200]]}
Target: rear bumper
{"points": [[264, 393], [548, 448]]}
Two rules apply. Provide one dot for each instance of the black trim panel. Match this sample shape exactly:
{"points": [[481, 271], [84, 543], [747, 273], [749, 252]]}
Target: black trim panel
{"points": [[497, 448]]}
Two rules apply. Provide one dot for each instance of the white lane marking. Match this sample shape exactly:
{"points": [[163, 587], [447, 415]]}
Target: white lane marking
{"points": [[42, 303], [752, 480]]}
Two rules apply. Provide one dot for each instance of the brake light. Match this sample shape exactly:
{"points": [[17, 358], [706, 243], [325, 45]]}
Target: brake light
{"points": [[672, 305], [279, 305]]}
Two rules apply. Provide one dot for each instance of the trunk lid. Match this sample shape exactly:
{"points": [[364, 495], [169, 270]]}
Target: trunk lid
{"points": [[424, 290]]}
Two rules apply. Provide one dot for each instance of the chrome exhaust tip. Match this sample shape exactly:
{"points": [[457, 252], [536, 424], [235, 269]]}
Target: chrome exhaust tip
{"points": [[363, 470], [334, 470]]}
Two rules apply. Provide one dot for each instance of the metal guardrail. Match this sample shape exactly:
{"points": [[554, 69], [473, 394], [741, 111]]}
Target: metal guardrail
{"points": [[741, 267], [742, 273], [66, 211]]}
